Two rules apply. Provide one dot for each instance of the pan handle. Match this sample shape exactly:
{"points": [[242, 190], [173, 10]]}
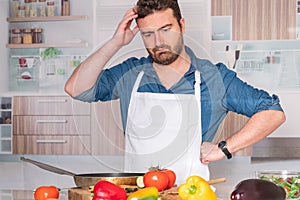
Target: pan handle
{"points": [[48, 167]]}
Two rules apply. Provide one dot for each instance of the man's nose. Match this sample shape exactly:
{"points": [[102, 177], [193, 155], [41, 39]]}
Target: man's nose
{"points": [[158, 39]]}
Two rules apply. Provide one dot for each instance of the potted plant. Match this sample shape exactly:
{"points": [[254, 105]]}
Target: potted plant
{"points": [[48, 56]]}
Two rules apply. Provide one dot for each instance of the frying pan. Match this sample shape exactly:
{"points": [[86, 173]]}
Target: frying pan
{"points": [[85, 180]]}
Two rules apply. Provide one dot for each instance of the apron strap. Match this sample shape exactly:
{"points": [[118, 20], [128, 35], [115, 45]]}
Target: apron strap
{"points": [[137, 83]]}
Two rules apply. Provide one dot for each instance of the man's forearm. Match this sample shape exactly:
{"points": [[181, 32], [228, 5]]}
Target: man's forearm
{"points": [[86, 74], [258, 127]]}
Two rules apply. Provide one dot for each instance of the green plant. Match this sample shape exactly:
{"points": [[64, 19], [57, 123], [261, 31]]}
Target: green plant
{"points": [[50, 52]]}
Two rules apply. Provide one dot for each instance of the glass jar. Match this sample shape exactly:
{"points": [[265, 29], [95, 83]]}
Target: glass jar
{"points": [[42, 8], [27, 7], [27, 36], [37, 35], [16, 36], [33, 8], [14, 7], [50, 8], [21, 11]]}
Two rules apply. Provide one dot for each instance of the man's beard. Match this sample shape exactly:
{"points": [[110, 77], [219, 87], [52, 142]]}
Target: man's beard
{"points": [[168, 57]]}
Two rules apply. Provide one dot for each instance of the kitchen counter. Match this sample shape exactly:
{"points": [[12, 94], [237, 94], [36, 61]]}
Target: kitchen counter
{"points": [[21, 176], [27, 194]]}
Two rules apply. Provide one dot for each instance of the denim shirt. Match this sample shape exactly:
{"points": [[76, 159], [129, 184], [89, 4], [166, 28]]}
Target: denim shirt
{"points": [[221, 90]]}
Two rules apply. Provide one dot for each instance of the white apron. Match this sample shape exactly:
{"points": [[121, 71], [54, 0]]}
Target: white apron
{"points": [[165, 130]]}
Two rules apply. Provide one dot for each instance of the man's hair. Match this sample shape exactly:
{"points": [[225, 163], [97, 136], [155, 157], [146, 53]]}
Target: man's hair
{"points": [[147, 7]]}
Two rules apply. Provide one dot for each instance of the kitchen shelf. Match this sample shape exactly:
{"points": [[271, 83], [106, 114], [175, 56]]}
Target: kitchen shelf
{"points": [[47, 19], [46, 45]]}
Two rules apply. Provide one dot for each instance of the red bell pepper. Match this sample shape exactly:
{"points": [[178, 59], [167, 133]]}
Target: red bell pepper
{"points": [[104, 190]]}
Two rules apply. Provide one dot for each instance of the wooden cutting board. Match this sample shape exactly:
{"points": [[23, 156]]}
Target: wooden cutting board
{"points": [[84, 194]]}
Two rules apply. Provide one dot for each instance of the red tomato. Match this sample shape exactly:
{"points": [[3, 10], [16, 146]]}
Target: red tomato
{"points": [[172, 177], [46, 192], [156, 178]]}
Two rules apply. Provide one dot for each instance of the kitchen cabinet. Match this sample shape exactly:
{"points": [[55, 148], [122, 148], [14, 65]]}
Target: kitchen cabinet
{"points": [[230, 125], [51, 125], [254, 20], [107, 132], [263, 20], [5, 125], [221, 7]]}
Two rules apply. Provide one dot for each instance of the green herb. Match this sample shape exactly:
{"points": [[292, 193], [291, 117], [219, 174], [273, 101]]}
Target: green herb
{"points": [[50, 52], [290, 184]]}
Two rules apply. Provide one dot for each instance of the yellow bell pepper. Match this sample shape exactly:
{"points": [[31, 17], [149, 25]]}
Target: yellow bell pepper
{"points": [[149, 193], [196, 188]]}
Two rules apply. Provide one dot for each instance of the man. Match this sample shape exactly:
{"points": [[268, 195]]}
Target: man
{"points": [[171, 101]]}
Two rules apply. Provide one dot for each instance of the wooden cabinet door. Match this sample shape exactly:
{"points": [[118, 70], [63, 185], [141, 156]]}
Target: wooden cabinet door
{"points": [[231, 124], [253, 20], [220, 7], [286, 19], [263, 19], [107, 132]]}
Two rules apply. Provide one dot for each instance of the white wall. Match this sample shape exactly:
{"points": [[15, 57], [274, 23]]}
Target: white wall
{"points": [[4, 61]]}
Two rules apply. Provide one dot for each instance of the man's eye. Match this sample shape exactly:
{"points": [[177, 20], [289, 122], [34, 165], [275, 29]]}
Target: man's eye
{"points": [[147, 34]]}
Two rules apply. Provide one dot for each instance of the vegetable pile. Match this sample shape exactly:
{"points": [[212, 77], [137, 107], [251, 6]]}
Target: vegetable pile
{"points": [[290, 184]]}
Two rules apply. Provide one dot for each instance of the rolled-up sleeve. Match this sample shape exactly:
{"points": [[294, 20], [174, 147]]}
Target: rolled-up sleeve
{"points": [[245, 99]]}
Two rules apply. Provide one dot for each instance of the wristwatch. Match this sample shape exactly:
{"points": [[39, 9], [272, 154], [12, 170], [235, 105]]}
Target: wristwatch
{"points": [[223, 147]]}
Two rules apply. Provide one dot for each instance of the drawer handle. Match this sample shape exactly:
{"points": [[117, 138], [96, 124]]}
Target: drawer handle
{"points": [[52, 101], [51, 121], [51, 141]]}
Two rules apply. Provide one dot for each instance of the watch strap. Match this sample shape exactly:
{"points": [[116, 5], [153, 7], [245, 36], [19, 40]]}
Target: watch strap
{"points": [[223, 147]]}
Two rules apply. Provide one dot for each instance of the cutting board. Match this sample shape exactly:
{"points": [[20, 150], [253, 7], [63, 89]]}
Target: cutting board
{"points": [[84, 194]]}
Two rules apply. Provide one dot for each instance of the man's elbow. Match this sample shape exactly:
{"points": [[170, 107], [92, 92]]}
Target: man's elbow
{"points": [[282, 117], [69, 89]]}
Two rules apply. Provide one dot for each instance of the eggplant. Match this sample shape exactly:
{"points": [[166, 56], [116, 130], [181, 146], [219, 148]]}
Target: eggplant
{"points": [[257, 189]]}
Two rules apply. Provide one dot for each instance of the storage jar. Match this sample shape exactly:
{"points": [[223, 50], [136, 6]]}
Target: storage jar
{"points": [[33, 8], [37, 35], [16, 36], [21, 11], [27, 36], [42, 8], [50, 8]]}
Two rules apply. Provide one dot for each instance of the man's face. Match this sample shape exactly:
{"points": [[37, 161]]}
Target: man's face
{"points": [[162, 36]]}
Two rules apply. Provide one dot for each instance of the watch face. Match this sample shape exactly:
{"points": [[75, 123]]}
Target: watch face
{"points": [[222, 144]]}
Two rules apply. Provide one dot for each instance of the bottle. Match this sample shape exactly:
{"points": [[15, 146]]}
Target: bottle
{"points": [[14, 7], [27, 7], [42, 8], [21, 11], [65, 8], [50, 8], [33, 9]]}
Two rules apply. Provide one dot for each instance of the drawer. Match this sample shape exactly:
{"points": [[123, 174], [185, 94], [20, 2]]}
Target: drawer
{"points": [[49, 105], [51, 145], [51, 125]]}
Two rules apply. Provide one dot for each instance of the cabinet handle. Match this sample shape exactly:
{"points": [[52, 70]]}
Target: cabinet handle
{"points": [[51, 121], [51, 141], [52, 101]]}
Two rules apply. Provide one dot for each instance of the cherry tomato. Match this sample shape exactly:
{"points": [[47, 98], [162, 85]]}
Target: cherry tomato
{"points": [[172, 177], [46, 192], [156, 178]]}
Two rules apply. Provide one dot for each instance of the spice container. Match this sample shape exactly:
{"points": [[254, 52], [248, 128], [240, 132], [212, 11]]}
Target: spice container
{"points": [[50, 8], [16, 36], [42, 8], [37, 35], [14, 7], [65, 7], [27, 36], [33, 8], [27, 7], [21, 11]]}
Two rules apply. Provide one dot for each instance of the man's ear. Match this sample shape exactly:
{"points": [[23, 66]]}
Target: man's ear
{"points": [[182, 25]]}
